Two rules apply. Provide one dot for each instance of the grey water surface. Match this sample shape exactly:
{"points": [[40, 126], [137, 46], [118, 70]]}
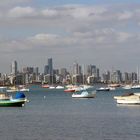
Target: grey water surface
{"points": [[55, 115]]}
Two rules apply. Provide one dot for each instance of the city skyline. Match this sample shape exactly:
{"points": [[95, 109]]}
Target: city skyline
{"points": [[104, 33], [79, 74], [49, 67]]}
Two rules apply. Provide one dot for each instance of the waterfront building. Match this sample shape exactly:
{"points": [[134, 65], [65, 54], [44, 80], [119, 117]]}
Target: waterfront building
{"points": [[29, 70], [93, 73], [91, 79], [127, 77], [91, 70], [63, 72], [49, 79], [116, 77], [134, 77], [19, 79], [106, 77], [77, 79]]}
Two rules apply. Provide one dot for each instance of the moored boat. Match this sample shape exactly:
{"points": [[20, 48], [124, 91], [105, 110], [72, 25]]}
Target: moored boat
{"points": [[84, 94], [23, 88], [103, 89], [12, 89], [135, 87], [52, 87], [127, 87], [59, 87], [69, 90], [9, 101], [129, 98], [45, 86]]}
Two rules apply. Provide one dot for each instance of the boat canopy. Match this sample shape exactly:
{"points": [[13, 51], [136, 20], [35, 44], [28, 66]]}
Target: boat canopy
{"points": [[20, 95]]}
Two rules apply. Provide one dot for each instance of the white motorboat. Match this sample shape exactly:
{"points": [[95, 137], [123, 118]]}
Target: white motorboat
{"points": [[12, 89], [103, 89], [135, 87], [127, 87], [84, 94], [24, 89], [51, 87], [59, 87], [86, 86], [131, 98]]}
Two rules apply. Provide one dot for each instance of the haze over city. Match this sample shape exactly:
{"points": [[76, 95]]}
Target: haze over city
{"points": [[100, 32]]}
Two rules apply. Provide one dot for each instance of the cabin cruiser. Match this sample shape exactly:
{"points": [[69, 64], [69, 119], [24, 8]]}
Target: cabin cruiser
{"points": [[129, 98]]}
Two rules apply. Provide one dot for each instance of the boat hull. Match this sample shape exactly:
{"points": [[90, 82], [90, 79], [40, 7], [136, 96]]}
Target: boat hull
{"points": [[69, 90], [12, 103], [130, 98], [128, 102], [80, 96], [84, 94], [102, 89]]}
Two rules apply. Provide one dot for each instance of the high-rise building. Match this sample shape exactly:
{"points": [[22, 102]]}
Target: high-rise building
{"points": [[14, 68], [46, 70], [116, 76], [77, 69], [91, 70], [29, 70], [63, 72], [50, 66], [36, 70]]}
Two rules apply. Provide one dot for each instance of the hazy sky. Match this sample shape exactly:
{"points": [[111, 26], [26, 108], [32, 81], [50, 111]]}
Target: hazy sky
{"points": [[101, 32]]}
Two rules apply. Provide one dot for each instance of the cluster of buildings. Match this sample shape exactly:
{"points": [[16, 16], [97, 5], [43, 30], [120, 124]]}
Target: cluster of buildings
{"points": [[79, 74]]}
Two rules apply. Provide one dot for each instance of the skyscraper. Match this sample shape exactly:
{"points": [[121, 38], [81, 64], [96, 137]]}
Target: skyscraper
{"points": [[14, 68], [76, 69], [50, 66], [46, 69]]}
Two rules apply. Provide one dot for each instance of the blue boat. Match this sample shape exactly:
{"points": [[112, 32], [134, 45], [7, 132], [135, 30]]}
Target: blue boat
{"points": [[9, 101]]}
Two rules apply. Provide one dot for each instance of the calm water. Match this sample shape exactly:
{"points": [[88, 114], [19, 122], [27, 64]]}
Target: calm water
{"points": [[60, 117]]}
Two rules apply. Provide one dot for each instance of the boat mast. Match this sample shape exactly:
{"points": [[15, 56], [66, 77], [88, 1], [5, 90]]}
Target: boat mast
{"points": [[83, 74], [138, 74]]}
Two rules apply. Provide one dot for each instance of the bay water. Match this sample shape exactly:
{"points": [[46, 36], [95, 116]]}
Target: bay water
{"points": [[54, 115]]}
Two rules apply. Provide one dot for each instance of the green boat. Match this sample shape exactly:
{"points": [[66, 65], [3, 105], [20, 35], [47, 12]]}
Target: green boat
{"points": [[8, 101]]}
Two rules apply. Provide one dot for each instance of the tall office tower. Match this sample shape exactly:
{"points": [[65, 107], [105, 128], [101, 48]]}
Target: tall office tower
{"points": [[50, 65], [75, 68], [14, 67], [46, 70], [36, 70], [91, 70]]}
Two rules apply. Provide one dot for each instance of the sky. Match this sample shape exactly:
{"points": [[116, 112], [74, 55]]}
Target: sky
{"points": [[104, 33]]}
